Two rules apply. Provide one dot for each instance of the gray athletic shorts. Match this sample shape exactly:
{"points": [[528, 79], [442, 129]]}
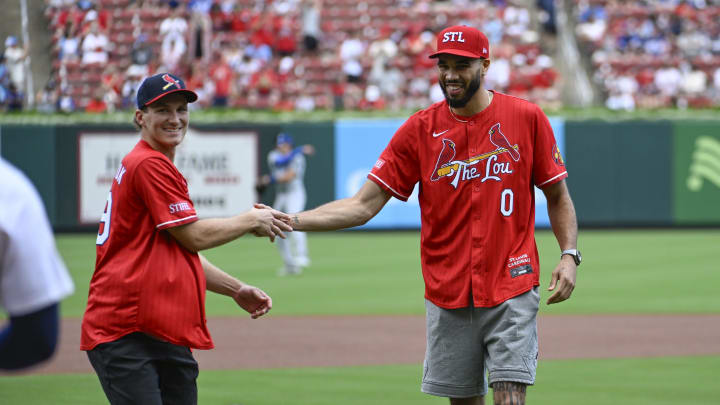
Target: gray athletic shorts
{"points": [[466, 343]]}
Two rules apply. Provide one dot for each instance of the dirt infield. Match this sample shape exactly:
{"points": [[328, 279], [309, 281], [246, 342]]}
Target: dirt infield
{"points": [[279, 341]]}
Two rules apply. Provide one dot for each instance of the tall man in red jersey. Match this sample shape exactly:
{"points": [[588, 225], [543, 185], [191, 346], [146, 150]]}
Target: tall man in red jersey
{"points": [[146, 307], [477, 156]]}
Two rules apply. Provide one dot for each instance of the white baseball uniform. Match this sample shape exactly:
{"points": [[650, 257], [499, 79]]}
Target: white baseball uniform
{"points": [[290, 197], [32, 274]]}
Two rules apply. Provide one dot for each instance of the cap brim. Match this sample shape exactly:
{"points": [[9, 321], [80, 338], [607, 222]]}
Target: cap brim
{"points": [[191, 96], [457, 52]]}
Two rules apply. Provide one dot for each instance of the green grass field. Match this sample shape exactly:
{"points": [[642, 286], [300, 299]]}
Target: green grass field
{"points": [[653, 271], [657, 381], [634, 271]]}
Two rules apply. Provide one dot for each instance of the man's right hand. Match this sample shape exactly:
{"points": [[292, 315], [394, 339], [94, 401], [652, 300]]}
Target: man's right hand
{"points": [[269, 222]]}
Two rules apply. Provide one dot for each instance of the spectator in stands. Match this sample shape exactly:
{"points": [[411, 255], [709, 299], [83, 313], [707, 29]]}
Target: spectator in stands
{"points": [[516, 19], [390, 80], [173, 25], [310, 25], [285, 44], [73, 15], [418, 91], [245, 70], [112, 82], [694, 41], [264, 81], [620, 101], [200, 30], [591, 30], [129, 89], [47, 98], [351, 51], [14, 99], [102, 16], [173, 31], [372, 99], [548, 17], [222, 77], [95, 46], [66, 104], [668, 80], [96, 105], [715, 90], [172, 53], [15, 56], [141, 56], [498, 75], [381, 51], [259, 48], [694, 81], [338, 92], [68, 43], [305, 103]]}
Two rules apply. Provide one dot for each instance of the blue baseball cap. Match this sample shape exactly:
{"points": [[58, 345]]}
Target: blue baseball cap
{"points": [[284, 138], [160, 85]]}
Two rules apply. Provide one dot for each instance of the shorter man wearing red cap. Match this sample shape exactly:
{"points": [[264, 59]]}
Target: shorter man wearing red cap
{"points": [[478, 156], [146, 306]]}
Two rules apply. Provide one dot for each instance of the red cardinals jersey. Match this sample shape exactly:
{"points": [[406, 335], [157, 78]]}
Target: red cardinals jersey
{"points": [[144, 279], [476, 196]]}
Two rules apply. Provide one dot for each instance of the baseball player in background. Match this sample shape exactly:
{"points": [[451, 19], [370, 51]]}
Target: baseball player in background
{"points": [[146, 305], [287, 170], [477, 156], [33, 278]]}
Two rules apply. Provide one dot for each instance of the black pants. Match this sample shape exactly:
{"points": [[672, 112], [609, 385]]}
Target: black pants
{"points": [[138, 369]]}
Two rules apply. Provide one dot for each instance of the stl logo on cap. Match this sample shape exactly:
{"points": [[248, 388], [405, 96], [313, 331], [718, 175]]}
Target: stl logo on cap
{"points": [[462, 40], [450, 37]]}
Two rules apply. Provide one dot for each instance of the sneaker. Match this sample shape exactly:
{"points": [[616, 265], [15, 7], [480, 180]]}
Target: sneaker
{"points": [[289, 271]]}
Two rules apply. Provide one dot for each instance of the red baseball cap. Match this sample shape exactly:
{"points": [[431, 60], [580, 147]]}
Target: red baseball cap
{"points": [[462, 40]]}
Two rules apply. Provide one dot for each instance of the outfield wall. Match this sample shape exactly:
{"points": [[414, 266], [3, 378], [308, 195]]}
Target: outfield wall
{"points": [[629, 173]]}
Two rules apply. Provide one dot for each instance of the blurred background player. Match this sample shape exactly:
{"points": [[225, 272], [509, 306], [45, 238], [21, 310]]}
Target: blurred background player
{"points": [[287, 169], [33, 278]]}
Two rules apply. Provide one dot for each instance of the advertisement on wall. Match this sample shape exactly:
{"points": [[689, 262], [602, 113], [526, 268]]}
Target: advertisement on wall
{"points": [[697, 174], [220, 167], [358, 144]]}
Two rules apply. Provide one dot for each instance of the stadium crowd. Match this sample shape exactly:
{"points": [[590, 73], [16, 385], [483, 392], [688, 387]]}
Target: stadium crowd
{"points": [[362, 55], [649, 54]]}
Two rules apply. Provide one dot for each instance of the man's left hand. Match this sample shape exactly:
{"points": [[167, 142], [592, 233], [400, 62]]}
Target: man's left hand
{"points": [[563, 280], [253, 300]]}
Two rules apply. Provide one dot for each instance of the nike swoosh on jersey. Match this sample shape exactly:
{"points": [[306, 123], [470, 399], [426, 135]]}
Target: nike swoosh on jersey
{"points": [[436, 134]]}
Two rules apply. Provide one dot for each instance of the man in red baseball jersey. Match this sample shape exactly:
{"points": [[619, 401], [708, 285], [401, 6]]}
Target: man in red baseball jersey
{"points": [[146, 306], [477, 156]]}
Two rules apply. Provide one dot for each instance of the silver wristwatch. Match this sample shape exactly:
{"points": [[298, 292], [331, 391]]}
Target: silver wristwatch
{"points": [[577, 257]]}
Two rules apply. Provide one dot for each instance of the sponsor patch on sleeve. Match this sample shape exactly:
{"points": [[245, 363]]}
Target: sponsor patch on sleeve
{"points": [[379, 163], [521, 271], [179, 206]]}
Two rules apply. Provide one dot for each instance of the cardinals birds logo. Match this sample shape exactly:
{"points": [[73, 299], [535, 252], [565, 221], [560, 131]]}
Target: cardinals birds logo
{"points": [[498, 139], [447, 154], [170, 82]]}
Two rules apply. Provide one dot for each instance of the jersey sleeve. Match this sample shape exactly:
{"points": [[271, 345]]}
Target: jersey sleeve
{"points": [[548, 164], [397, 170], [165, 193]]}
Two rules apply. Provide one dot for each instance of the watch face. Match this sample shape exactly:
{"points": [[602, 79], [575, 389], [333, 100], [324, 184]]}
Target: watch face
{"points": [[578, 258]]}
